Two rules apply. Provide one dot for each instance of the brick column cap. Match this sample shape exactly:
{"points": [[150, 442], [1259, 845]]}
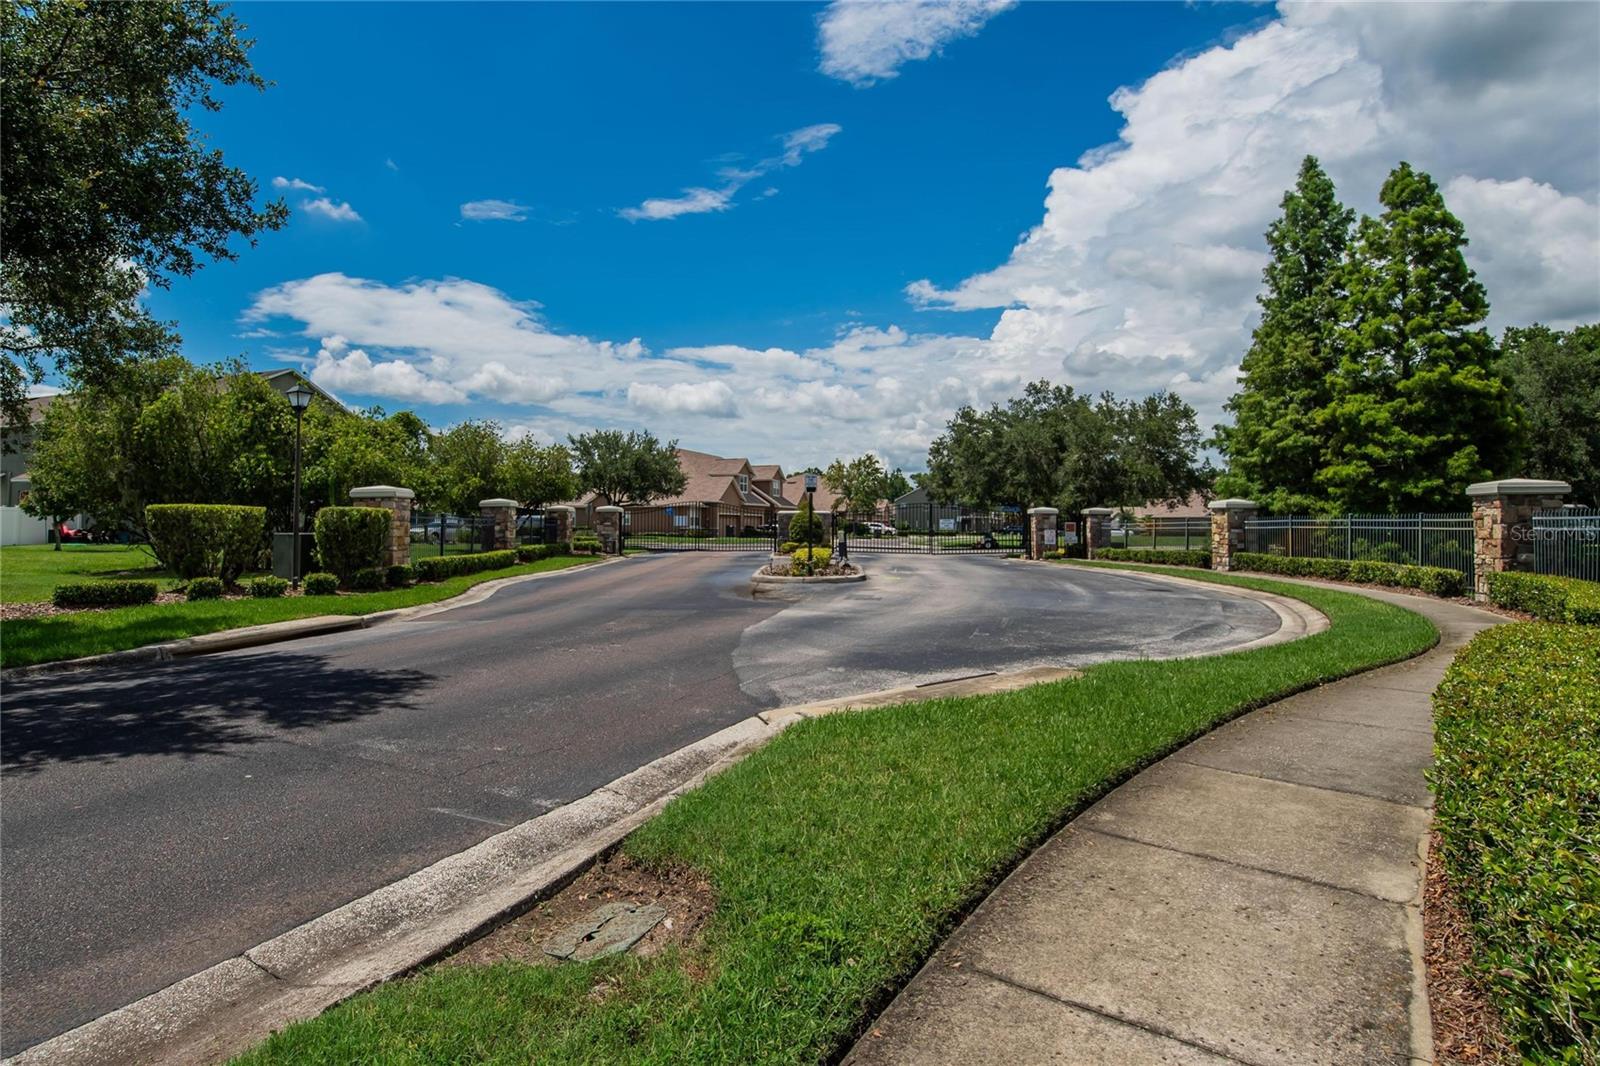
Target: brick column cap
{"points": [[787, 512], [497, 503], [1232, 505], [608, 509], [1519, 486], [1099, 510], [376, 492], [562, 507], [1044, 510]]}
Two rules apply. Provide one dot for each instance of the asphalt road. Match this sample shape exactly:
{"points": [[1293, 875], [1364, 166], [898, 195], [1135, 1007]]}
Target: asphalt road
{"points": [[157, 820]]}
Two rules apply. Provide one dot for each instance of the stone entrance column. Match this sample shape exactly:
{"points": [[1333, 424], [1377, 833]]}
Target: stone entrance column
{"points": [[397, 501], [1227, 530], [566, 520], [503, 516], [1502, 524], [785, 519], [608, 527], [1096, 529], [1041, 531]]}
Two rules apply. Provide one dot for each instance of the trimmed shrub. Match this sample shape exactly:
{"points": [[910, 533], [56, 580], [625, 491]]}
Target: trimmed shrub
{"points": [[203, 588], [1164, 557], [439, 567], [104, 594], [321, 584], [1435, 580], [1546, 596], [398, 577], [788, 547], [368, 579], [269, 588], [805, 519], [804, 562], [351, 538], [532, 553], [206, 539], [586, 544], [1517, 780]]}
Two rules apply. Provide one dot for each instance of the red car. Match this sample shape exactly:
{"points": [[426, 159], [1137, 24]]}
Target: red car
{"points": [[67, 535]]}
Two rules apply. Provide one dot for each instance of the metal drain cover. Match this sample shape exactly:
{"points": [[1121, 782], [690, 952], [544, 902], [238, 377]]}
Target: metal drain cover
{"points": [[608, 930]]}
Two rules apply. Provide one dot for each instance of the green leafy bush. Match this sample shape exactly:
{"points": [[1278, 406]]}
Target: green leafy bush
{"points": [[788, 547], [368, 579], [1435, 580], [398, 577], [203, 588], [206, 539], [321, 584], [104, 594], [1546, 596], [532, 553], [439, 567], [1172, 557], [269, 588], [351, 538], [806, 526], [586, 544], [803, 562], [1517, 780]]}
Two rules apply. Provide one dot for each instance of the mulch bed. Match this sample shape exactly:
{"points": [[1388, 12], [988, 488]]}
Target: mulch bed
{"points": [[832, 570], [1466, 1026], [12, 611]]}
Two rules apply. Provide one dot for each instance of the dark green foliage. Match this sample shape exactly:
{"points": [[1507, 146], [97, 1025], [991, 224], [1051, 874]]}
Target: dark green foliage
{"points": [[269, 588], [105, 593], [806, 525], [1434, 580], [203, 588], [532, 553], [1556, 379], [585, 544], [627, 468], [206, 539], [321, 584], [351, 538], [1170, 557], [398, 577], [1545, 596], [1419, 409], [1274, 447], [368, 579], [439, 567], [1516, 780]]}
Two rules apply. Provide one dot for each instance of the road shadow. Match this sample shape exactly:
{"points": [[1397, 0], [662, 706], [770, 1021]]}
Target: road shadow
{"points": [[194, 707]]}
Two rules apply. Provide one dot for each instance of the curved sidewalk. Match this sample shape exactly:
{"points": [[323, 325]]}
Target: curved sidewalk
{"points": [[1253, 898]]}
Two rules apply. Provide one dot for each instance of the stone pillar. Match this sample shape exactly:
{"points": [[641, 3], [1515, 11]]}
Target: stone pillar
{"points": [[608, 527], [1096, 529], [785, 519], [1502, 523], [503, 516], [1041, 531], [1227, 530], [566, 520], [397, 501]]}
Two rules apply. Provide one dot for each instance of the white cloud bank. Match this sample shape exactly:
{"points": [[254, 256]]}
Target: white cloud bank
{"points": [[295, 184], [795, 145], [864, 42], [1141, 274], [494, 211]]}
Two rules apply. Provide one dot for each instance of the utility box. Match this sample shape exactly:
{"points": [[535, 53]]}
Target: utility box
{"points": [[282, 560]]}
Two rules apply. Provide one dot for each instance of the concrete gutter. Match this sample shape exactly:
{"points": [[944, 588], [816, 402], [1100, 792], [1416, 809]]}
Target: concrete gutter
{"points": [[278, 632]]}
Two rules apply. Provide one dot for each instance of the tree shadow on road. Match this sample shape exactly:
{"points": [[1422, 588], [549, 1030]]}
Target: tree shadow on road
{"points": [[193, 707]]}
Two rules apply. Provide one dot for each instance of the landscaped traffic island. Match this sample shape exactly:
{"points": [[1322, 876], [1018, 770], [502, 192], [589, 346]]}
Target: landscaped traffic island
{"points": [[807, 566]]}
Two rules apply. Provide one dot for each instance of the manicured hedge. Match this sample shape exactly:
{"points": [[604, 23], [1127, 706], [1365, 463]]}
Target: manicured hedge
{"points": [[532, 553], [321, 584], [1554, 599], [203, 588], [1171, 557], [1517, 784], [806, 561], [368, 579], [351, 538], [269, 588], [1434, 580], [104, 594], [586, 544], [206, 539], [399, 577], [439, 567]]}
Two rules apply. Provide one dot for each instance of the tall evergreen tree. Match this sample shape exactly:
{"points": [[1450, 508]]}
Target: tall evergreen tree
{"points": [[1419, 409], [1274, 446], [1556, 379]]}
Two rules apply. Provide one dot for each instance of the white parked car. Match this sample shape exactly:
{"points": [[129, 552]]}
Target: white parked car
{"points": [[880, 529]]}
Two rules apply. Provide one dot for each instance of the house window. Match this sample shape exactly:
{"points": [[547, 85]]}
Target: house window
{"points": [[777, 487], [744, 483]]}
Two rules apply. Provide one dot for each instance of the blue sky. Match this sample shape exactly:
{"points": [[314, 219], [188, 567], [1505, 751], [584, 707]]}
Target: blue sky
{"points": [[865, 176]]}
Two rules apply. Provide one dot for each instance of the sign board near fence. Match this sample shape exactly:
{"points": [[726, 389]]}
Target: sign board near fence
{"points": [[1049, 537]]}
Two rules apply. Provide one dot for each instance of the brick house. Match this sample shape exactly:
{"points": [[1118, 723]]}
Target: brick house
{"points": [[721, 495]]}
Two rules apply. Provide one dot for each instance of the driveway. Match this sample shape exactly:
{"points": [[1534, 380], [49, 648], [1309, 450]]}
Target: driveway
{"points": [[157, 820]]}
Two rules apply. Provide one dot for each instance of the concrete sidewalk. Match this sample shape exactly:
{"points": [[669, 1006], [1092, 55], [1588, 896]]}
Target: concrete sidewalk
{"points": [[1253, 898]]}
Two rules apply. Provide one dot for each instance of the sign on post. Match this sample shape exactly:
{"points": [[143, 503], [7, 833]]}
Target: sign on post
{"points": [[811, 483]]}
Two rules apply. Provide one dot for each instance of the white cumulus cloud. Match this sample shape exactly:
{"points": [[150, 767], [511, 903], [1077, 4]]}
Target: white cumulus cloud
{"points": [[335, 210], [493, 211], [700, 398], [296, 184], [867, 41]]}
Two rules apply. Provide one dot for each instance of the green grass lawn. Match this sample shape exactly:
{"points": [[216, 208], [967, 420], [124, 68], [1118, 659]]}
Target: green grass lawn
{"points": [[841, 854], [30, 572], [25, 641]]}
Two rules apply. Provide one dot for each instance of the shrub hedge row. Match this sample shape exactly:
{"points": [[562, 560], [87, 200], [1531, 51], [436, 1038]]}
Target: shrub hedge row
{"points": [[351, 538], [1172, 557], [203, 588], [1434, 580], [400, 576], [321, 584], [439, 567], [269, 588], [1517, 784], [206, 539], [532, 553], [586, 544], [369, 579], [1554, 599], [104, 594]]}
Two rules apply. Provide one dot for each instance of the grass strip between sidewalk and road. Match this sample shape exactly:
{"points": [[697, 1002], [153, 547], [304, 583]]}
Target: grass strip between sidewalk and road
{"points": [[27, 641], [841, 854]]}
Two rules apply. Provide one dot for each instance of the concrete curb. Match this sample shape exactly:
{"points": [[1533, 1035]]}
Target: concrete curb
{"points": [[277, 632], [228, 1008], [758, 578]]}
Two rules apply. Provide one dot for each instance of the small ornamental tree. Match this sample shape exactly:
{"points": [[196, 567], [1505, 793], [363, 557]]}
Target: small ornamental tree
{"points": [[206, 539], [806, 526]]}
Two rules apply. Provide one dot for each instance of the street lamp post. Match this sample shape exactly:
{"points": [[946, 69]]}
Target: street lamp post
{"points": [[811, 516], [299, 398]]}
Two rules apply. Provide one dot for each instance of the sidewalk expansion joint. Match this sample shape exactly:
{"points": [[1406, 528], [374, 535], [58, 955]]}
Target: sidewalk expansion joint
{"points": [[247, 957], [1178, 757], [1144, 1027], [1245, 866]]}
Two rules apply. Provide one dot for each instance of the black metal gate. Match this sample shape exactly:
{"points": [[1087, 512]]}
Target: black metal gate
{"points": [[935, 529], [700, 527]]}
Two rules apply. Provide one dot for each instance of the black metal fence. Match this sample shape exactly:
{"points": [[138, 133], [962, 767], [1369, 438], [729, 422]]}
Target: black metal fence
{"points": [[700, 527], [1417, 539], [449, 534], [1567, 542], [934, 529], [1162, 532]]}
